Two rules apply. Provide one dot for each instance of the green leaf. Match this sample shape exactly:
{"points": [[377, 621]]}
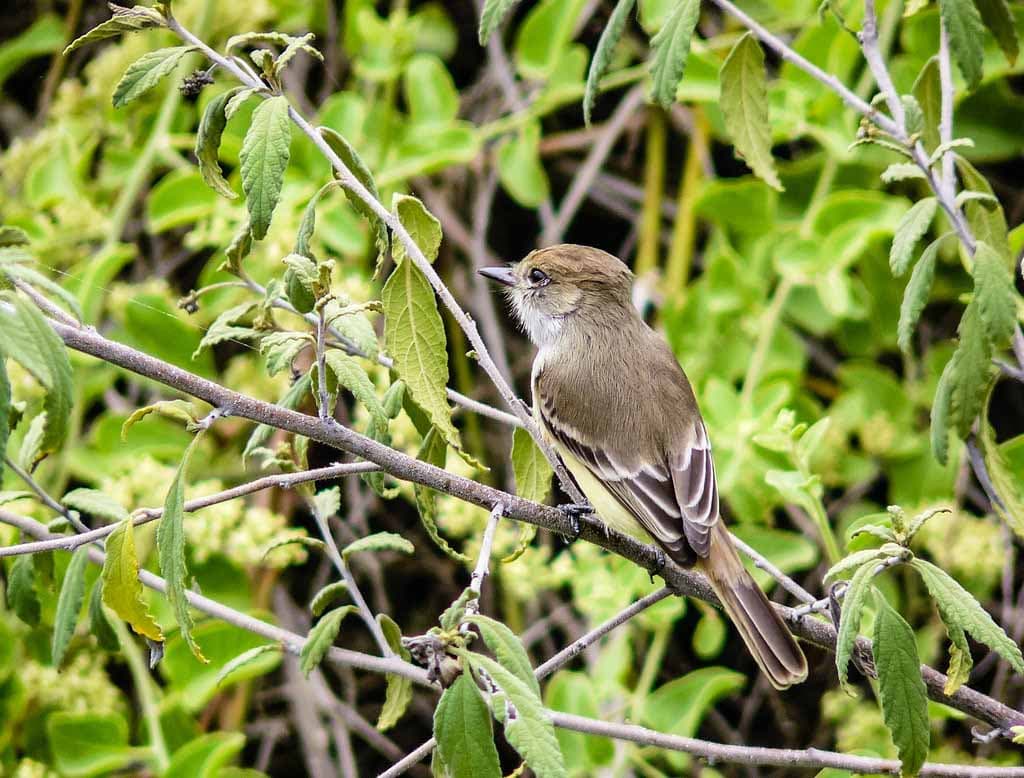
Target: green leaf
{"points": [[520, 169], [29, 340], [928, 92], [124, 20], [44, 36], [327, 502], [321, 638], [69, 604], [901, 691], [243, 660], [21, 590], [911, 229], [958, 607], [744, 103], [99, 624], [211, 128], [5, 412], [960, 660], [295, 45], [177, 410], [305, 232], [901, 171], [462, 728], [854, 560], [610, 36], [971, 371], [987, 222], [710, 635], [670, 49], [95, 503], [531, 468], [399, 689], [90, 744], [434, 451], [1007, 483], [223, 329], [379, 541], [995, 295], [122, 591], [204, 756], [327, 596], [237, 101], [849, 621], [354, 377], [429, 90], [490, 17], [347, 153], [414, 332], [940, 414], [679, 706], [966, 37], [915, 296], [291, 399], [36, 279], [264, 159], [516, 705], [507, 647], [146, 72], [12, 236], [997, 16]]}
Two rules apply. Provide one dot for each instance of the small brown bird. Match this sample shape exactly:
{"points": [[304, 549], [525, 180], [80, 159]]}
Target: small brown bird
{"points": [[620, 412]]}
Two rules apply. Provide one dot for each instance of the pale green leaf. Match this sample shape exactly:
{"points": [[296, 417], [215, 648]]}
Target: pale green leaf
{"points": [[901, 690], [995, 295], [988, 222], [321, 638], [744, 103], [146, 72], [379, 541], [910, 230], [531, 468], [960, 660], [915, 296], [940, 414], [244, 659], [305, 232], [90, 744], [34, 278], [398, 694], [997, 16], [434, 451], [901, 171], [177, 410], [507, 648], [854, 560], [5, 415], [211, 128], [69, 604], [849, 621], [95, 503], [350, 374], [928, 92], [490, 17], [122, 591], [295, 45], [520, 170], [301, 540], [327, 596], [670, 49], [350, 157], [462, 728], [264, 159], [124, 20], [610, 36], [327, 502], [971, 370], [236, 101], [966, 37]]}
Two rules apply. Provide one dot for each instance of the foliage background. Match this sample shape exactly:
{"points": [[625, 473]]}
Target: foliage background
{"points": [[772, 300]]}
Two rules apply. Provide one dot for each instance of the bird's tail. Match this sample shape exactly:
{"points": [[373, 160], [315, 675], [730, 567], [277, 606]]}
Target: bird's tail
{"points": [[762, 629]]}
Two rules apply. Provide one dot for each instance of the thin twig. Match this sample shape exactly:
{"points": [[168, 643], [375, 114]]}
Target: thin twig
{"points": [[476, 580], [44, 496], [761, 562], [321, 364]]}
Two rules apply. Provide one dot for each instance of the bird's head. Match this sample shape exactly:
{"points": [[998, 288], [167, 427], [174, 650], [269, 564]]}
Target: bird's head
{"points": [[552, 286]]}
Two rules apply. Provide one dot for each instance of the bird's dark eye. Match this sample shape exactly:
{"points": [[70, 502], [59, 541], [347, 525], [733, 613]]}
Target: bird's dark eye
{"points": [[538, 277]]}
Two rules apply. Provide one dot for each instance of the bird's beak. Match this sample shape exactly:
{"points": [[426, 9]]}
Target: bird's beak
{"points": [[502, 275]]}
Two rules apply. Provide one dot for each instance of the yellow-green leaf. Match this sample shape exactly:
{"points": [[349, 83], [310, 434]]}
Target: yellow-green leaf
{"points": [[122, 591], [531, 468], [146, 72]]}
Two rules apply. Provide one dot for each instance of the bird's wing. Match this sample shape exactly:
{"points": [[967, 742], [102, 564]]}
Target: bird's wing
{"points": [[675, 498]]}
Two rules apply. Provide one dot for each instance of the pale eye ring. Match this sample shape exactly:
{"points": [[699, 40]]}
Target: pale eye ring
{"points": [[538, 277]]}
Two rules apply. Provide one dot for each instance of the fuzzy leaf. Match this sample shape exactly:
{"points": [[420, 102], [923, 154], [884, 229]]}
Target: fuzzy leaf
{"points": [[379, 541], [958, 607], [264, 158], [928, 92], [854, 560], [940, 414], [244, 659], [69, 604], [350, 374], [124, 20], [901, 171], [910, 230], [971, 370], [305, 232], [915, 296], [901, 690], [744, 102], [462, 728], [327, 596], [507, 647], [321, 638], [996, 15], [21, 590], [302, 540], [960, 660], [531, 468], [434, 450], [966, 37], [237, 101], [670, 49], [610, 36], [211, 128], [95, 503], [146, 72], [398, 694], [122, 591], [490, 17], [295, 45], [347, 153], [995, 295], [987, 221], [849, 621]]}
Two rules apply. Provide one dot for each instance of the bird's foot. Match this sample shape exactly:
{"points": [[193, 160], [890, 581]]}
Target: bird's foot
{"points": [[660, 560], [573, 511]]}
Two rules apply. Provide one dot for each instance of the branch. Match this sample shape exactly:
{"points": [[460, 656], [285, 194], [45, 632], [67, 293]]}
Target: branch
{"points": [[591, 529], [44, 496], [476, 580], [146, 515], [354, 185]]}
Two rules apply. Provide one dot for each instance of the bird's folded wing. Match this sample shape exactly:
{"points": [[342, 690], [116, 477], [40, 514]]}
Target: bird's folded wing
{"points": [[675, 499]]}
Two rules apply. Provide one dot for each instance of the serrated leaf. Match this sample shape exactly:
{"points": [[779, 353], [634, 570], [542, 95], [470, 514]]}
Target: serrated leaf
{"points": [[966, 37], [350, 374], [531, 468], [744, 103], [99, 624], [915, 296], [321, 638], [243, 659], [379, 541], [252, 38], [308, 223], [170, 542], [434, 451], [958, 607], [22, 598], [295, 45], [901, 171], [988, 223], [971, 370], [901, 690], [527, 726], [928, 92], [940, 414], [452, 616], [1007, 484], [95, 503], [960, 660], [910, 230], [670, 49], [69, 604], [146, 72], [997, 16], [462, 728], [264, 158], [124, 20], [237, 100], [995, 295], [490, 17], [398, 694], [854, 560], [849, 621], [327, 596], [302, 540], [224, 328], [347, 153], [211, 128], [507, 647], [122, 591], [610, 36], [281, 349], [31, 342]]}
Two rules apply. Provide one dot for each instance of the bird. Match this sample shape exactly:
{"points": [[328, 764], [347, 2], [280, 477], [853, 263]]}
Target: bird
{"points": [[616, 406]]}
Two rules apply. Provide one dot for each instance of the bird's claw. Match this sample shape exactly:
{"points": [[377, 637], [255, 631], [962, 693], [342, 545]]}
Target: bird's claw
{"points": [[660, 560], [572, 512]]}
